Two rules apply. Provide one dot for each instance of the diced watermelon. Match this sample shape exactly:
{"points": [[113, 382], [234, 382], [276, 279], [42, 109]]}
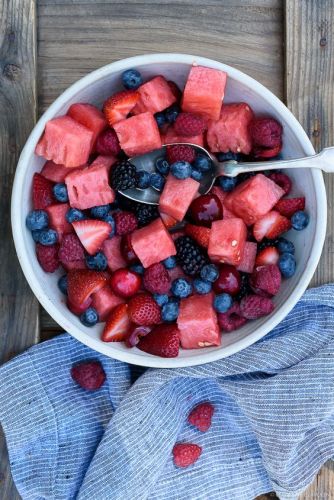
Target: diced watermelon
{"points": [[89, 116], [171, 137], [204, 92], [155, 95], [152, 243], [105, 161], [138, 134], [230, 132], [246, 265], [112, 250], [197, 322], [177, 195], [57, 220], [104, 301], [227, 241], [227, 214], [56, 173], [254, 198], [89, 187], [66, 142]]}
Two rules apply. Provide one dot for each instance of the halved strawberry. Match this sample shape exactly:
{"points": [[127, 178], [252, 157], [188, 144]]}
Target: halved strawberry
{"points": [[118, 325], [163, 341], [271, 225], [267, 256], [198, 233], [118, 106], [92, 233], [42, 195], [168, 220], [288, 206], [82, 283]]}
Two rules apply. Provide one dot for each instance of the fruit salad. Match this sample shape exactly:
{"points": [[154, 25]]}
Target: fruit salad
{"points": [[180, 274]]}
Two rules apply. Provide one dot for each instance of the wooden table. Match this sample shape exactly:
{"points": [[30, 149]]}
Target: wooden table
{"points": [[44, 47]]}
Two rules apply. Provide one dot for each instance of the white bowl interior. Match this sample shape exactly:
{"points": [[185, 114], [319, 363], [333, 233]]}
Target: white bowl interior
{"points": [[95, 88]]}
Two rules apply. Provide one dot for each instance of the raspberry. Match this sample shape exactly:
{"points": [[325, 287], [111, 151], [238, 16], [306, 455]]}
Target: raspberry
{"points": [[188, 125], [47, 256], [107, 143], [185, 454], [89, 375], [71, 249], [232, 319], [266, 132], [282, 180], [156, 279], [143, 310], [125, 222], [253, 306], [180, 153], [288, 206], [163, 340], [201, 416], [266, 280]]}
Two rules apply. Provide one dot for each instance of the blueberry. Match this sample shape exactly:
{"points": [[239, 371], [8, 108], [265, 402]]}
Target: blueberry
{"points": [[202, 286], [170, 262], [170, 311], [285, 246], [98, 261], [89, 317], [196, 175], [160, 118], [287, 265], [62, 284], [100, 212], [160, 298], [60, 192], [111, 221], [300, 220], [157, 181], [181, 169], [172, 113], [36, 235], [227, 183], [202, 163], [181, 288], [229, 156], [162, 166], [143, 179], [137, 268], [209, 272], [73, 215], [222, 302], [48, 237], [131, 79], [37, 219]]}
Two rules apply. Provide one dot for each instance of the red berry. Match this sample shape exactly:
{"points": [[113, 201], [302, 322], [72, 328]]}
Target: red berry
{"points": [[271, 225], [71, 249], [266, 153], [47, 257], [267, 256], [188, 124], [232, 319], [180, 153], [127, 250], [282, 180], [78, 309], [156, 279], [107, 143], [117, 325], [185, 454], [143, 310], [42, 194], [205, 209], [288, 206], [163, 341], [125, 222], [266, 132], [125, 283], [201, 416], [229, 280], [83, 283], [266, 280], [198, 233], [89, 375], [253, 306]]}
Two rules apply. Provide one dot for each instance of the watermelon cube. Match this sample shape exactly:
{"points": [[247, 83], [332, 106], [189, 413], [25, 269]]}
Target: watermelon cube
{"points": [[89, 187], [57, 219], [177, 195], [197, 322], [171, 137], [66, 142], [89, 116], [155, 96], [56, 173], [247, 263], [230, 132], [204, 92], [227, 241], [104, 301], [138, 134], [152, 243], [254, 198], [112, 250], [106, 161]]}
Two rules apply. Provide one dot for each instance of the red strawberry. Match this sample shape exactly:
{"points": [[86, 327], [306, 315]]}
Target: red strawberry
{"points": [[265, 153], [125, 222], [198, 233], [267, 256], [71, 249], [232, 319], [89, 375], [188, 125], [48, 257], [92, 233], [282, 180], [42, 195], [143, 310], [168, 220], [163, 341], [117, 325], [175, 90], [78, 309], [119, 105], [288, 206], [266, 280], [253, 306], [180, 153], [82, 283], [201, 416], [156, 279], [185, 454], [125, 283], [271, 225], [266, 132], [107, 143]]}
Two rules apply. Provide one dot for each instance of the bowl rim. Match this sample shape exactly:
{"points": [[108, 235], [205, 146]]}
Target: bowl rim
{"points": [[130, 356]]}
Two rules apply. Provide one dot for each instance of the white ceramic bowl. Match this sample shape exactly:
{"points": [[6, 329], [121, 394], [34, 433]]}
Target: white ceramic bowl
{"points": [[95, 88]]}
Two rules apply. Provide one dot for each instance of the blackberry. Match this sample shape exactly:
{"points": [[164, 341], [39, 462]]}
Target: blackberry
{"points": [[245, 288], [124, 176], [146, 213], [190, 255], [266, 243]]}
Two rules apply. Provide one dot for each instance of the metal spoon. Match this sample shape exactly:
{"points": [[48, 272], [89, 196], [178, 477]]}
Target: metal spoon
{"points": [[323, 160]]}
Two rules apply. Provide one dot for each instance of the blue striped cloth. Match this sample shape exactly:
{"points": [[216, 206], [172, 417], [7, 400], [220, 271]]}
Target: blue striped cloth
{"points": [[272, 429]]}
